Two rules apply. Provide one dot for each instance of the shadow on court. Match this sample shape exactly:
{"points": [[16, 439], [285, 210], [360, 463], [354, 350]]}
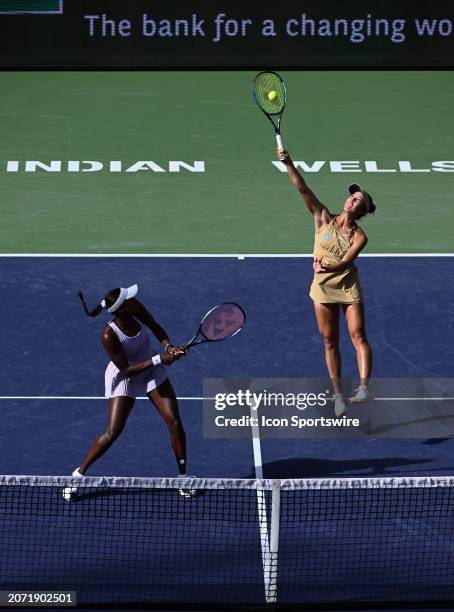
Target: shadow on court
{"points": [[324, 468]]}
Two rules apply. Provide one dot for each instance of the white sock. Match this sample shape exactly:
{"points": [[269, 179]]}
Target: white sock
{"points": [[182, 462]]}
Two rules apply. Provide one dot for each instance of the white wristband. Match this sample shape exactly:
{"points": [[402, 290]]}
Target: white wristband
{"points": [[156, 360]]}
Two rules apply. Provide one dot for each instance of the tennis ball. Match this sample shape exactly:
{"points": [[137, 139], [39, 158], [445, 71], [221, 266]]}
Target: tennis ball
{"points": [[272, 95]]}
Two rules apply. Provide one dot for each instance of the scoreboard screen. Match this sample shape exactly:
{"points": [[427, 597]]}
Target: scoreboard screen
{"points": [[36, 7]]}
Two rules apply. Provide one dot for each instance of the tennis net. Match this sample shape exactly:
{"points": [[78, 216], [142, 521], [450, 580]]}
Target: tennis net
{"points": [[135, 540]]}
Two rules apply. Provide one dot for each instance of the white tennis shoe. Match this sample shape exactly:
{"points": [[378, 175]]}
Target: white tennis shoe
{"points": [[187, 492], [340, 407], [70, 493], [361, 394]]}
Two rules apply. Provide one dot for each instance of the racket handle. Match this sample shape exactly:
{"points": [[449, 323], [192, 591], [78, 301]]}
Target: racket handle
{"points": [[279, 141]]}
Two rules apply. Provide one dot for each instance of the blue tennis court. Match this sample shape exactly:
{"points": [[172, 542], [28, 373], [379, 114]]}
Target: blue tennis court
{"points": [[133, 545], [52, 379]]}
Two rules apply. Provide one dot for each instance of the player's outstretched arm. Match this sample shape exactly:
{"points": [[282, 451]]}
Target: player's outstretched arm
{"points": [[316, 208], [141, 313]]}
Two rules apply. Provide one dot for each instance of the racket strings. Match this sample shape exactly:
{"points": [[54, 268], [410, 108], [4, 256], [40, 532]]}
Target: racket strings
{"points": [[222, 322], [265, 85]]}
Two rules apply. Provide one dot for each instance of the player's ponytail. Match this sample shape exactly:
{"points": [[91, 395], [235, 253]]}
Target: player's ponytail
{"points": [[90, 313], [109, 300]]}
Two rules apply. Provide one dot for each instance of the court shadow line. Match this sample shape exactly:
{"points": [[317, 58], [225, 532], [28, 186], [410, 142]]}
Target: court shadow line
{"points": [[323, 468], [381, 429]]}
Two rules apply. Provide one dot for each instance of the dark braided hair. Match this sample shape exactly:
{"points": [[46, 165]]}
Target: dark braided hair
{"points": [[110, 298]]}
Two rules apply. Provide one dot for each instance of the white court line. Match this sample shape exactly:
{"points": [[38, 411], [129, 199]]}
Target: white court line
{"points": [[261, 501], [411, 399], [85, 397], [201, 399], [210, 255]]}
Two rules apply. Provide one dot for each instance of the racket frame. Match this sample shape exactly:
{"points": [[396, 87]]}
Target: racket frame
{"points": [[276, 126], [193, 342]]}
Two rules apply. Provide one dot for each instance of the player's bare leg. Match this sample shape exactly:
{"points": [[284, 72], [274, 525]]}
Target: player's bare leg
{"points": [[327, 316], [356, 321]]}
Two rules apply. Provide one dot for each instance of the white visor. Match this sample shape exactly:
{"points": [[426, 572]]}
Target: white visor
{"points": [[125, 294]]}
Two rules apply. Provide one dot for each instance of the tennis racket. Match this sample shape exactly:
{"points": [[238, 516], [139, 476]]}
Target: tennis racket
{"points": [[270, 95], [219, 323]]}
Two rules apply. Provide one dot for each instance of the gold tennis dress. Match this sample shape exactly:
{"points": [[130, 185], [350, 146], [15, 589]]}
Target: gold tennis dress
{"points": [[334, 287]]}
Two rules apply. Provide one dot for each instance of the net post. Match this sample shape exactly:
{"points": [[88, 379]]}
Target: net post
{"points": [[271, 596]]}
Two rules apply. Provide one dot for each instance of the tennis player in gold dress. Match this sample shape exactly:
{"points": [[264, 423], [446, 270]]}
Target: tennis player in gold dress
{"points": [[338, 241]]}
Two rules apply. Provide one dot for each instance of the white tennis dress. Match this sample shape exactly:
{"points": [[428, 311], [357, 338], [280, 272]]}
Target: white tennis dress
{"points": [[137, 349]]}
